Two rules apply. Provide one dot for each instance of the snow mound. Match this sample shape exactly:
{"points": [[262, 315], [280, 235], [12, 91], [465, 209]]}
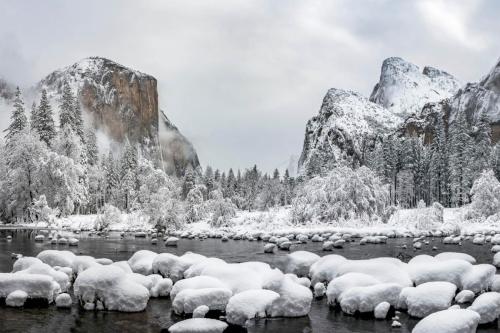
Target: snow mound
{"points": [[108, 287], [299, 262], [40, 268], [465, 296], [35, 285], [161, 288], [188, 300], [294, 301], [381, 310], [63, 301], [196, 269], [17, 298], [249, 304], [237, 277], [365, 299], [478, 278], [325, 269], [57, 258], [488, 307], [449, 321], [455, 255], [196, 282], [198, 325], [427, 298], [172, 266], [142, 262], [345, 282], [81, 263]]}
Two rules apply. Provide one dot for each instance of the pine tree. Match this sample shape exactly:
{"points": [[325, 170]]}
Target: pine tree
{"points": [[79, 128], [460, 148], [439, 174], [67, 108], [19, 122], [188, 183], [91, 146], [481, 159], [43, 124], [33, 117]]}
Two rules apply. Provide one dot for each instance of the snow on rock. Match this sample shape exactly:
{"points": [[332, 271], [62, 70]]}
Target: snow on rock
{"points": [[496, 260], [123, 265], [35, 285], [449, 321], [81, 263], [237, 277], [269, 248], [142, 262], [381, 310], [196, 282], [325, 269], [57, 258], [17, 298], [495, 283], [198, 325], [478, 278], [386, 270], [365, 299], [104, 261], [196, 269], [63, 300], [24, 263], [108, 287], [488, 306], [465, 296], [347, 281], [172, 266], [200, 311], [455, 255], [249, 304], [41, 268], [299, 262], [171, 241], [162, 288], [434, 270], [427, 298], [294, 301], [319, 290], [188, 300]]}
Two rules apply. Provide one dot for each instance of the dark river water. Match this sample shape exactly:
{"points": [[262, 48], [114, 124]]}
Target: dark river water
{"points": [[158, 315]]}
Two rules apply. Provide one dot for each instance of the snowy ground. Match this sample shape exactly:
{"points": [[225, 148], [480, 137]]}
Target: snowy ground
{"points": [[404, 222]]}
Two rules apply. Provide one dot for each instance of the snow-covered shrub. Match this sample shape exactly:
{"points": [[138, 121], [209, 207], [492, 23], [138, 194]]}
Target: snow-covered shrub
{"points": [[486, 194], [195, 208], [111, 215], [342, 194], [41, 212], [222, 209]]}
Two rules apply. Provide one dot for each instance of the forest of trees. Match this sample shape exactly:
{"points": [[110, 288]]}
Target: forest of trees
{"points": [[50, 170]]}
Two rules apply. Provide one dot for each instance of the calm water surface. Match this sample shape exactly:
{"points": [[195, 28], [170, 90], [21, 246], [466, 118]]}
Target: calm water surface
{"points": [[158, 315]]}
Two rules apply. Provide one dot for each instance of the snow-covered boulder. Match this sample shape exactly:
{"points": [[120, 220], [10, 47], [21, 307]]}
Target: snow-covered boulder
{"points": [[63, 300], [73, 241], [496, 260], [326, 268], [104, 261], [269, 248], [196, 282], [343, 283], [81, 263], [17, 298], [294, 301], [24, 263], [381, 310], [35, 285], [123, 265], [386, 270], [443, 256], [198, 325], [319, 290], [488, 306], [200, 311], [434, 270], [449, 321], [172, 266], [188, 300], [57, 258], [248, 305], [465, 296], [299, 262], [171, 241], [39, 238], [161, 288], [108, 287], [142, 262], [237, 277], [196, 269], [41, 268], [365, 299], [427, 298], [478, 278]]}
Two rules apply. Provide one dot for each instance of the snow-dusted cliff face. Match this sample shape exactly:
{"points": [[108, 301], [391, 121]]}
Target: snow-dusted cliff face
{"points": [[121, 102], [346, 127], [405, 89]]}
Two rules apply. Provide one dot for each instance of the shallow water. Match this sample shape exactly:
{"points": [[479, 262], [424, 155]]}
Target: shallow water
{"points": [[158, 315]]}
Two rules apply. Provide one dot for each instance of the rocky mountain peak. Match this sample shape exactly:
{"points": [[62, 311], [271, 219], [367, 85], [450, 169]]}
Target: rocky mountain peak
{"points": [[405, 89], [492, 80]]}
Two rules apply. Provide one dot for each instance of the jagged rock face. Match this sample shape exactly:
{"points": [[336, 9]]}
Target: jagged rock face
{"points": [[122, 101], [405, 89], [345, 129], [178, 154]]}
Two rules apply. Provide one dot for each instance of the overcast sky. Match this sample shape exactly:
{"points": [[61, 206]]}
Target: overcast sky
{"points": [[241, 78]]}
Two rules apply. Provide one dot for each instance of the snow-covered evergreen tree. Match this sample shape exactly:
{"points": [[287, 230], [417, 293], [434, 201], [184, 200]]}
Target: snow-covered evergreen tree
{"points": [[43, 122], [92, 150], [19, 121], [486, 194]]}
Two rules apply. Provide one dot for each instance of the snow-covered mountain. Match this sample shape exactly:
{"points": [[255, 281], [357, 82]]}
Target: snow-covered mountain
{"points": [[120, 102], [346, 127], [405, 89]]}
